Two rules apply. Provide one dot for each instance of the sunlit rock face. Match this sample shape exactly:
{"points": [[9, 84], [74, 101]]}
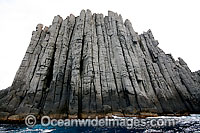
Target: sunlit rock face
{"points": [[95, 65]]}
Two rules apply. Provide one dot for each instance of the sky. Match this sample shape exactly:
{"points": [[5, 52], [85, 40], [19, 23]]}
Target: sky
{"points": [[174, 23]]}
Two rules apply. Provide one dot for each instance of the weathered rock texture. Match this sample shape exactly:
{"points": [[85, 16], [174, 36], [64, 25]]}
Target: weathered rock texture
{"points": [[96, 65]]}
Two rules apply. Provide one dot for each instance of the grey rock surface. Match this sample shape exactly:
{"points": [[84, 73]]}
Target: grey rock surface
{"points": [[91, 64]]}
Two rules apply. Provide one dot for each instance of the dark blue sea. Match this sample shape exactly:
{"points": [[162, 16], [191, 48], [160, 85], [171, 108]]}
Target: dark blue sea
{"points": [[185, 124]]}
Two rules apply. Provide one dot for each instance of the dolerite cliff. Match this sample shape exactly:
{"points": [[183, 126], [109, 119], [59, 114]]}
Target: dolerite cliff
{"points": [[91, 65]]}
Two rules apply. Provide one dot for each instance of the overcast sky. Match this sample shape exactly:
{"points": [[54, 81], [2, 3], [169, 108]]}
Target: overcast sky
{"points": [[174, 23]]}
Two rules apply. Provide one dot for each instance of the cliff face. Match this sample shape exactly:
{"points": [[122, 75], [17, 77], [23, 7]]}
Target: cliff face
{"points": [[197, 77], [91, 64]]}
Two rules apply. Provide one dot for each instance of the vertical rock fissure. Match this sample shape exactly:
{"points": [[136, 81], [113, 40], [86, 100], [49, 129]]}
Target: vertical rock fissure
{"points": [[67, 56], [49, 78], [92, 82], [188, 100], [80, 80], [30, 80], [136, 97], [172, 86], [81, 73], [154, 87], [114, 76], [92, 79], [57, 70], [109, 58], [100, 72], [188, 90], [92, 87], [37, 58], [123, 96]]}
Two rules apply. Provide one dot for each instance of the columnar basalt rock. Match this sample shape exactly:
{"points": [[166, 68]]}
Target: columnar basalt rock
{"points": [[91, 65], [197, 77]]}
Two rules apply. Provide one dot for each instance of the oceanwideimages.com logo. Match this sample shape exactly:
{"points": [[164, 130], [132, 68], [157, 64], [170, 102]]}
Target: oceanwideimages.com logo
{"points": [[129, 123]]}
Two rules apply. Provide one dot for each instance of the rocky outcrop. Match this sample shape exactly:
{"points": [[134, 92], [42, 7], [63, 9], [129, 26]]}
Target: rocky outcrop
{"points": [[197, 76], [95, 65], [4, 92]]}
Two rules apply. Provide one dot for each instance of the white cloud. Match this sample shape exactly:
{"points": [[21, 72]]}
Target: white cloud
{"points": [[175, 24]]}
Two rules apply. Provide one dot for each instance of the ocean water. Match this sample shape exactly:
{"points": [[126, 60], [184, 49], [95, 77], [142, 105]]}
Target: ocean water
{"points": [[185, 124]]}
